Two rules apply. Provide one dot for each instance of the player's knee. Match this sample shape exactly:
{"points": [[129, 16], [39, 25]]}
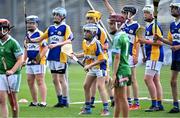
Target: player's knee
{"points": [[86, 87], [40, 82], [173, 83], [2, 102]]}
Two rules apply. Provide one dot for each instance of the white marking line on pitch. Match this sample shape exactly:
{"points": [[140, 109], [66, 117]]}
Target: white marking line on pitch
{"points": [[142, 98]]}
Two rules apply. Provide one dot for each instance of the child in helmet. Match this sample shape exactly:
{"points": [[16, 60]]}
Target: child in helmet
{"points": [[154, 60], [121, 68], [11, 60], [93, 16], [173, 41], [35, 68], [58, 35], [130, 27], [95, 65]]}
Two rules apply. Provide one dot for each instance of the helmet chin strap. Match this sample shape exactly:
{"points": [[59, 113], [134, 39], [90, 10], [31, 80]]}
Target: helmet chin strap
{"points": [[4, 33]]}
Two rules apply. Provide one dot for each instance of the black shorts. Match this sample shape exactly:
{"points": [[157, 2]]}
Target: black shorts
{"points": [[61, 71], [175, 66]]}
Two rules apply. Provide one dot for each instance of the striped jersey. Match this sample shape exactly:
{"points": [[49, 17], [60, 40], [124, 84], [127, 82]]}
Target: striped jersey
{"points": [[174, 37], [33, 49], [56, 34], [154, 53], [130, 30], [93, 52]]}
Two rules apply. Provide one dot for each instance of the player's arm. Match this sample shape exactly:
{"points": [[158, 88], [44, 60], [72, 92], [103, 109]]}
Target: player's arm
{"points": [[68, 37], [116, 51], [100, 58], [136, 54], [79, 55], [109, 7], [19, 59], [44, 49], [41, 38], [167, 41], [24, 57]]}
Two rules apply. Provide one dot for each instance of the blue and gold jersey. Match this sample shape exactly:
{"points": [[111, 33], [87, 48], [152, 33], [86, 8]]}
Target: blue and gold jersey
{"points": [[56, 34], [102, 37], [93, 52], [33, 49], [130, 30], [174, 37], [155, 53]]}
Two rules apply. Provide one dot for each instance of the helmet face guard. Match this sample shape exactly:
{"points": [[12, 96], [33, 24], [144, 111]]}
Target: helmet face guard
{"points": [[32, 19], [90, 28], [149, 8], [4, 25], [59, 11], [175, 5], [129, 9], [117, 18]]}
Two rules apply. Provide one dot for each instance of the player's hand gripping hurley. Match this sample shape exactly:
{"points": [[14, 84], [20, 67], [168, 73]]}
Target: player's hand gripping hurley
{"points": [[10, 93], [68, 50]]}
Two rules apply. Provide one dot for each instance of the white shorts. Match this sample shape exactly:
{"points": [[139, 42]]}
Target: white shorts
{"points": [[97, 72], [35, 69], [131, 63], [56, 65], [154, 65], [152, 72], [13, 80]]}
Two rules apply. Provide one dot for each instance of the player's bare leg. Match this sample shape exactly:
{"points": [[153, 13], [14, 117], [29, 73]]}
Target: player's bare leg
{"points": [[103, 95], [3, 106], [152, 91], [87, 85], [174, 90], [32, 88], [63, 82], [58, 88], [121, 103], [159, 91], [93, 92], [42, 88], [14, 104]]}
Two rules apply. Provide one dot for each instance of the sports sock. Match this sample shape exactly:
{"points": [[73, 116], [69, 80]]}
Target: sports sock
{"points": [[129, 101], [59, 99], [64, 100], [111, 98], [105, 106], [154, 103], [92, 100], [136, 101], [176, 104], [87, 107]]}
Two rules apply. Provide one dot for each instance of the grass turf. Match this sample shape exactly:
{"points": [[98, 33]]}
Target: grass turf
{"points": [[76, 78]]}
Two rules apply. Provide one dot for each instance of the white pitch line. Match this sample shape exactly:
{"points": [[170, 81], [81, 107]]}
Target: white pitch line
{"points": [[141, 98]]}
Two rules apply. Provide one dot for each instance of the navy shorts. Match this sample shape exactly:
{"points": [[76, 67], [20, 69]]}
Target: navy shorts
{"points": [[175, 66]]}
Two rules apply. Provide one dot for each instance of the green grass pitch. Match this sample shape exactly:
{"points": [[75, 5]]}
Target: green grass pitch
{"points": [[76, 78]]}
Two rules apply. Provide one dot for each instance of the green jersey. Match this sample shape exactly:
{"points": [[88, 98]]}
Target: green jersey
{"points": [[10, 50], [121, 46]]}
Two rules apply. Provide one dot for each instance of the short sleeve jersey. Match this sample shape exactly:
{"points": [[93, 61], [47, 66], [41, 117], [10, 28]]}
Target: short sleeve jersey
{"points": [[121, 46], [10, 50], [56, 34], [33, 49]]}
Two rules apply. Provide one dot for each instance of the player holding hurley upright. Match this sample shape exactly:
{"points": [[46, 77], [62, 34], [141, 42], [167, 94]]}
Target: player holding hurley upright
{"points": [[174, 41], [35, 69]]}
